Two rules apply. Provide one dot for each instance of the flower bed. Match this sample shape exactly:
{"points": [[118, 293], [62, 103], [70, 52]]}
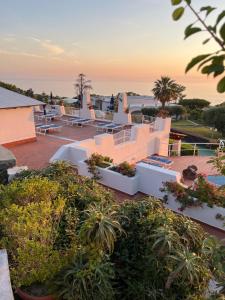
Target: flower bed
{"points": [[203, 202], [125, 169]]}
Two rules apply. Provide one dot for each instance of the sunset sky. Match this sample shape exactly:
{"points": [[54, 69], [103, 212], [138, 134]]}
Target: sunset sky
{"points": [[121, 45]]}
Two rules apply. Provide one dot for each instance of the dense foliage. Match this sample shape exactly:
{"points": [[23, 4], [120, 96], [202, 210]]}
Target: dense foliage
{"points": [[174, 110], [215, 117], [97, 160], [202, 192], [210, 63], [125, 169], [66, 231], [192, 104]]}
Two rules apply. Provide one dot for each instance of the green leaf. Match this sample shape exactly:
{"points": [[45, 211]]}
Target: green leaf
{"points": [[206, 41], [176, 2], [191, 30], [178, 13], [188, 1], [222, 32], [208, 9], [221, 85], [216, 69], [195, 61], [220, 17]]}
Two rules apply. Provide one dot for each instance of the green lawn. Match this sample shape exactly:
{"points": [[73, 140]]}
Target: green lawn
{"points": [[189, 127]]}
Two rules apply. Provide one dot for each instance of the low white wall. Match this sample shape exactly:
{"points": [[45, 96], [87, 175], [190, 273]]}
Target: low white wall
{"points": [[142, 143], [114, 180], [16, 124], [117, 181], [5, 283], [151, 179], [203, 214]]}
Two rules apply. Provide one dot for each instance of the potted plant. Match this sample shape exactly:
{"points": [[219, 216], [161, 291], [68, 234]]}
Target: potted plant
{"points": [[125, 169]]}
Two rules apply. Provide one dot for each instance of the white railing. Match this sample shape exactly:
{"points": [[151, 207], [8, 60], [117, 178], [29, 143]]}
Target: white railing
{"points": [[72, 111], [122, 136], [196, 150]]}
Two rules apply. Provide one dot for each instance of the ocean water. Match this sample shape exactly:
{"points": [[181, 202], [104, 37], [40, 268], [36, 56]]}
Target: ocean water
{"points": [[199, 89]]}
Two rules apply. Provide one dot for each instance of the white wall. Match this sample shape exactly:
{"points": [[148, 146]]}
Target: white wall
{"points": [[16, 124], [201, 213], [151, 179], [142, 144], [5, 284]]}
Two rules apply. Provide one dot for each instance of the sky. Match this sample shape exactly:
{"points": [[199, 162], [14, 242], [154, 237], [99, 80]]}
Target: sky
{"points": [[121, 45]]}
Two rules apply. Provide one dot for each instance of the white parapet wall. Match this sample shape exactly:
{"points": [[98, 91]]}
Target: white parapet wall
{"points": [[142, 143], [151, 179], [204, 213], [5, 283]]}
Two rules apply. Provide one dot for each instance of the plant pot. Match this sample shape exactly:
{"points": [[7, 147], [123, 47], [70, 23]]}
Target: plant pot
{"points": [[24, 296]]}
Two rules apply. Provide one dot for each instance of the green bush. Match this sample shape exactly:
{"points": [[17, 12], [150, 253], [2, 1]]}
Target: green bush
{"points": [[162, 255], [215, 117], [31, 211], [97, 160], [193, 104], [125, 169], [188, 150], [85, 279], [173, 110]]}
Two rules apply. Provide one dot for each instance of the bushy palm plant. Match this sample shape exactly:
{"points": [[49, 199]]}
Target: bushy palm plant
{"points": [[85, 279], [101, 227], [166, 90]]}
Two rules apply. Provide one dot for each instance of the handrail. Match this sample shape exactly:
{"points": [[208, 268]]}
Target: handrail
{"points": [[194, 149]]}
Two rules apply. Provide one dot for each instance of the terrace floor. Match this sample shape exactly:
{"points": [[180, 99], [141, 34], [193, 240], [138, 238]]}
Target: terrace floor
{"points": [[36, 155]]}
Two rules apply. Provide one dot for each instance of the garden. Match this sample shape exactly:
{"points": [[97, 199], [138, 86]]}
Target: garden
{"points": [[67, 237]]}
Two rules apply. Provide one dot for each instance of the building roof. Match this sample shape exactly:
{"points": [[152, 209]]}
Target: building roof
{"points": [[9, 99]]}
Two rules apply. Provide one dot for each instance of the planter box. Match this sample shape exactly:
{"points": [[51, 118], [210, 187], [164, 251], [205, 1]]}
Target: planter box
{"points": [[202, 213], [117, 181], [114, 180]]}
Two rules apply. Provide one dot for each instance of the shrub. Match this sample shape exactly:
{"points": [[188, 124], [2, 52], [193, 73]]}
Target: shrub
{"points": [[97, 160], [174, 110], [161, 256], [203, 192], [188, 150], [193, 104], [215, 117], [125, 169], [29, 218], [85, 279]]}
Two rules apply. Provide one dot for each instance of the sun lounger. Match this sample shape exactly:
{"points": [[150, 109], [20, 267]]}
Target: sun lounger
{"points": [[71, 120], [161, 159], [152, 163], [113, 127], [82, 122], [46, 128], [48, 117]]}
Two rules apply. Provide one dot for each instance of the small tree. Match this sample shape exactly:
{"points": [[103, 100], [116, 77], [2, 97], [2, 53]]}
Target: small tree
{"points": [[82, 84], [166, 90]]}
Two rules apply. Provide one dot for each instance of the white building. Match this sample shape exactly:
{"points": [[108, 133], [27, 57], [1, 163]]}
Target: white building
{"points": [[16, 118]]}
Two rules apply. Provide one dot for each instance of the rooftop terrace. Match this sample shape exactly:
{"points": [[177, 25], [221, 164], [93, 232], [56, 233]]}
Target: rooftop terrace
{"points": [[37, 154]]}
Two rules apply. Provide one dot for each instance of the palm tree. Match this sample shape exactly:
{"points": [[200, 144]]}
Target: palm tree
{"points": [[166, 90], [188, 266], [82, 84], [101, 227]]}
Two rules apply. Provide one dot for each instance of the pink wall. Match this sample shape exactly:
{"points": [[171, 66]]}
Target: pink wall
{"points": [[16, 124]]}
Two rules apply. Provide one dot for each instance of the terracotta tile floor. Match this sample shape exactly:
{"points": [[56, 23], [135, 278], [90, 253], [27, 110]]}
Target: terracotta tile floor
{"points": [[181, 163]]}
